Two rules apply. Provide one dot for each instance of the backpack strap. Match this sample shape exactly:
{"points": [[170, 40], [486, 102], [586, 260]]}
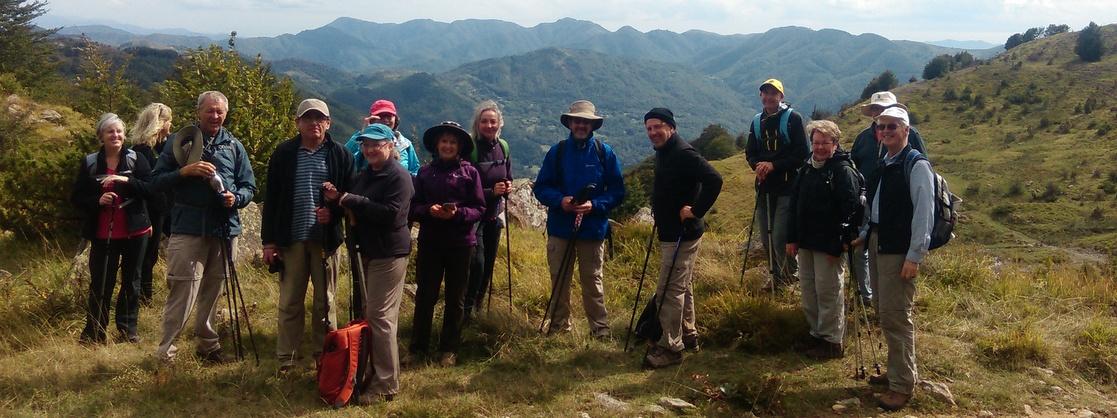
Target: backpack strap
{"points": [[756, 127], [91, 164], [784, 126]]}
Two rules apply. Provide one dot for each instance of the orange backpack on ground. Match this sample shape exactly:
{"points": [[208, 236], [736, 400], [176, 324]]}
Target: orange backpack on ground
{"points": [[342, 365]]}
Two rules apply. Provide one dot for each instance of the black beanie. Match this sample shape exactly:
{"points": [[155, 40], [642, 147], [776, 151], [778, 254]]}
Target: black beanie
{"points": [[662, 113]]}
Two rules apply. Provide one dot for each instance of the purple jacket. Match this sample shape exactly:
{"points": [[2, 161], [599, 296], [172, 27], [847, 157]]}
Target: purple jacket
{"points": [[448, 182], [494, 166]]}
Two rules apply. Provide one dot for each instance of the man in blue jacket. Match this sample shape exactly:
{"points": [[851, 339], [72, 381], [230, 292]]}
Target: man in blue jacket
{"points": [[569, 167], [207, 193]]}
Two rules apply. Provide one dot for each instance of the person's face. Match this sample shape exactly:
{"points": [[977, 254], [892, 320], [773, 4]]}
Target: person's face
{"points": [[874, 110], [580, 128], [448, 146], [313, 125], [488, 124], [211, 115], [822, 146], [112, 136], [892, 132], [376, 152], [658, 132], [388, 119], [166, 129], [770, 98]]}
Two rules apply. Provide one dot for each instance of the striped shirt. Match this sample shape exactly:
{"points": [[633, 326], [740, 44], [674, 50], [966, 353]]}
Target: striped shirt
{"points": [[310, 173]]}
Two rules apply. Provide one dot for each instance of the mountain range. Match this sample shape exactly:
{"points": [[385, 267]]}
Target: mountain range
{"points": [[437, 71]]}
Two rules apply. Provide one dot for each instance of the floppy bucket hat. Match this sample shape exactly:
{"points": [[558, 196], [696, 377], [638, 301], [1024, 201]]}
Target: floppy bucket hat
{"points": [[884, 99], [582, 109], [432, 134], [187, 145]]}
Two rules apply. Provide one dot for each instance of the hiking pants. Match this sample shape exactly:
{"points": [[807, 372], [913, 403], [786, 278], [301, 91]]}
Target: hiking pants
{"points": [[820, 278], [150, 256], [303, 262], [591, 257], [785, 265], [860, 269], [894, 308], [195, 276], [675, 293], [481, 265], [383, 293], [122, 254], [432, 266]]}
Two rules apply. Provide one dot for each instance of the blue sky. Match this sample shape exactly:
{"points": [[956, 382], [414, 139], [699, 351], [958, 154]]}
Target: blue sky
{"points": [[991, 21]]}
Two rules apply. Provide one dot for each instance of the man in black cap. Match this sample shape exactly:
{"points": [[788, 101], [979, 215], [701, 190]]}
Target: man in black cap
{"points": [[685, 188]]}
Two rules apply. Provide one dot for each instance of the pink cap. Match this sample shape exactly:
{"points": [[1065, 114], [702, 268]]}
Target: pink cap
{"points": [[382, 106]]}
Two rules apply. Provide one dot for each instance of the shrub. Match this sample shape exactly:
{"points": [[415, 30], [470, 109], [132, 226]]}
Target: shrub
{"points": [[1097, 345], [36, 175], [1089, 46], [1014, 348]]}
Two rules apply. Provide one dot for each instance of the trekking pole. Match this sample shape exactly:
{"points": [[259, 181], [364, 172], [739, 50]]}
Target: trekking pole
{"points": [[639, 287], [859, 368], [864, 317], [772, 263], [663, 297], [508, 248], [356, 269], [240, 297], [230, 301], [748, 242], [582, 196]]}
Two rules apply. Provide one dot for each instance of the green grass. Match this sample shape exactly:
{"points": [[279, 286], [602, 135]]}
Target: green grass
{"points": [[507, 368]]}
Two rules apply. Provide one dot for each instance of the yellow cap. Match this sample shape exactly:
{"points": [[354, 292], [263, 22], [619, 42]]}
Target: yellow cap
{"points": [[774, 83]]}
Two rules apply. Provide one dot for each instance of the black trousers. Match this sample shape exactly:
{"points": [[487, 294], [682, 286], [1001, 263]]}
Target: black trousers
{"points": [[105, 259], [481, 264], [432, 266]]}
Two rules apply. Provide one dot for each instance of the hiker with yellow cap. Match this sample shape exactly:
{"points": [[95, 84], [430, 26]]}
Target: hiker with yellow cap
{"points": [[776, 148], [301, 231], [866, 154]]}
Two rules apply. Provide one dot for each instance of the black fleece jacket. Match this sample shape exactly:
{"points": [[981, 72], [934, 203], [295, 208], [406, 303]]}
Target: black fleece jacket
{"points": [[277, 214], [822, 200], [682, 177]]}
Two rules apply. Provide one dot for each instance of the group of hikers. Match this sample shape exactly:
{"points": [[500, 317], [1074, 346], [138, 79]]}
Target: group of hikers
{"points": [[368, 192]]}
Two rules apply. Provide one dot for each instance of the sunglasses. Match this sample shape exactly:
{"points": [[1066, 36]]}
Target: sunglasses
{"points": [[888, 127]]}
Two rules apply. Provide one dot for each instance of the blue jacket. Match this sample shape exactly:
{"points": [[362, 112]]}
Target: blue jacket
{"points": [[197, 209], [407, 157], [581, 166]]}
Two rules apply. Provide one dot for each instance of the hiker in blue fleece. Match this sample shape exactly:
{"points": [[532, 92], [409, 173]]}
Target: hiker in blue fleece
{"points": [[584, 160], [384, 111]]}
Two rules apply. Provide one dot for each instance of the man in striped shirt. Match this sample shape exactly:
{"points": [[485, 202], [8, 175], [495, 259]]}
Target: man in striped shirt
{"points": [[299, 231]]}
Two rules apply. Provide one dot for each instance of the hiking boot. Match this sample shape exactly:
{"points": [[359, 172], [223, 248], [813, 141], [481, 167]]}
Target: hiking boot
{"points": [[448, 360], [826, 350], [878, 379], [213, 357], [894, 401], [660, 357], [690, 343], [366, 399], [286, 368], [602, 334]]}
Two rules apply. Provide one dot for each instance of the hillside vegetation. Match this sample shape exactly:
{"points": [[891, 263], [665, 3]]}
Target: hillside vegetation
{"points": [[1027, 139]]}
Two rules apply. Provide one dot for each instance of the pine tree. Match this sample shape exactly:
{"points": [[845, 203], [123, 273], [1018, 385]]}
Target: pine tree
{"points": [[24, 49], [1089, 46], [883, 82]]}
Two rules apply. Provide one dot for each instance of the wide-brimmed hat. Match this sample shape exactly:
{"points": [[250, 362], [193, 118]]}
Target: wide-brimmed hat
{"points": [[884, 99], [187, 145], [430, 138], [583, 109]]}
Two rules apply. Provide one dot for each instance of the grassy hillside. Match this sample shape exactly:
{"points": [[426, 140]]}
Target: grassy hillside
{"points": [[1027, 140]]}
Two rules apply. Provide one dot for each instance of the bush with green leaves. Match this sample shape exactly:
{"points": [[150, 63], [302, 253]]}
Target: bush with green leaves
{"points": [[261, 105]]}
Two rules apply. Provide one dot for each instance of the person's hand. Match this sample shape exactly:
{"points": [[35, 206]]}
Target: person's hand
{"points": [[323, 215], [107, 198], [568, 203], [792, 249], [329, 191], [686, 213], [855, 243], [271, 254], [113, 178], [762, 170], [449, 211], [910, 270], [502, 188], [437, 212], [201, 169], [228, 199], [583, 208], [371, 119]]}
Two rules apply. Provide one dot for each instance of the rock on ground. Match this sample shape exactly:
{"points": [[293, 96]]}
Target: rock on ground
{"points": [[938, 391], [610, 402], [675, 403], [524, 210]]}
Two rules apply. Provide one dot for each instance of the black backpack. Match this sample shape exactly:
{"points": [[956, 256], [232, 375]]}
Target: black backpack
{"points": [[946, 203]]}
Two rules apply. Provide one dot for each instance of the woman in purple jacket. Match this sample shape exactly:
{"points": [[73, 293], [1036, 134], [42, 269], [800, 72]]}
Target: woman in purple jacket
{"points": [[448, 203]]}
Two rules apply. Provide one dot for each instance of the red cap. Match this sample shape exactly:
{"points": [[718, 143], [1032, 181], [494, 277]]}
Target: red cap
{"points": [[382, 106]]}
